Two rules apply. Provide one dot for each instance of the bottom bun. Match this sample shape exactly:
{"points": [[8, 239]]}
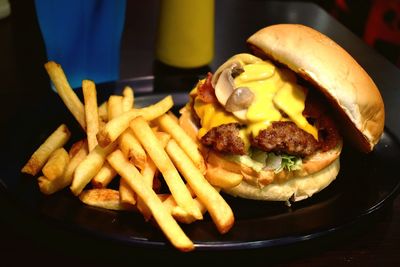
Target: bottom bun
{"points": [[295, 189]]}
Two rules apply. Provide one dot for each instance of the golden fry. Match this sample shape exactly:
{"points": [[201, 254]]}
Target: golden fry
{"points": [[114, 128], [219, 210], [222, 178], [103, 112], [187, 124], [164, 219], [163, 138], [132, 149], [56, 164], [126, 194], [65, 91], [103, 198], [182, 216], [56, 140], [173, 116], [148, 173], [128, 100], [169, 125], [91, 112], [89, 167], [114, 106], [156, 152], [51, 186], [76, 147], [105, 175]]}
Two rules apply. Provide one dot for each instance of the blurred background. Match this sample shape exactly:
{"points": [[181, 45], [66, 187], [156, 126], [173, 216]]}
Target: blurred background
{"points": [[377, 22]]}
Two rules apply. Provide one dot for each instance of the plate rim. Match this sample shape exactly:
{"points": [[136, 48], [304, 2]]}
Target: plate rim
{"points": [[214, 245]]}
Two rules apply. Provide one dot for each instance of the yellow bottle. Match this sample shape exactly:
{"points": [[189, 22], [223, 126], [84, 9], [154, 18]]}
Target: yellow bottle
{"points": [[185, 36]]}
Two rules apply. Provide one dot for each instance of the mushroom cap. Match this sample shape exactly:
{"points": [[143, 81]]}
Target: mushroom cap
{"points": [[223, 82], [333, 71]]}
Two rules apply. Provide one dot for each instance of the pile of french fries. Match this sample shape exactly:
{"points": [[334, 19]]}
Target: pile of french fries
{"points": [[133, 145]]}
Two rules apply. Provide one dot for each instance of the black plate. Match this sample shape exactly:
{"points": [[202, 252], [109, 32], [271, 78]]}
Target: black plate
{"points": [[364, 185]]}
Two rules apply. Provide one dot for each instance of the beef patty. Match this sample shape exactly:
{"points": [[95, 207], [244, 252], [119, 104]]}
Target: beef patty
{"points": [[225, 138], [280, 137], [285, 137]]}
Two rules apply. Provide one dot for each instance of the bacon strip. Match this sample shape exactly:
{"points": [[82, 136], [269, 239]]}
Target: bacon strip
{"points": [[206, 91]]}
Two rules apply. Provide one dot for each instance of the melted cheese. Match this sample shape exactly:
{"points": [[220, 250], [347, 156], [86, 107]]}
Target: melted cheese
{"points": [[211, 116], [291, 100], [274, 90]]}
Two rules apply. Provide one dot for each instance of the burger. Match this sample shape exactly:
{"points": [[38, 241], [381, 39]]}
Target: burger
{"points": [[279, 115]]}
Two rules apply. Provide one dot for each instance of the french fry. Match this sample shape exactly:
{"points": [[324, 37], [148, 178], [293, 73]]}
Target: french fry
{"points": [[56, 164], [103, 198], [51, 186], [170, 203], [163, 138], [91, 112], [222, 178], [103, 113], [128, 100], [169, 125], [132, 149], [113, 129], [65, 91], [148, 173], [89, 167], [182, 216], [156, 152], [164, 219], [101, 126], [114, 106], [126, 194], [219, 210], [76, 147], [56, 140], [136, 144], [173, 116], [187, 124], [151, 112], [163, 197], [105, 175]]}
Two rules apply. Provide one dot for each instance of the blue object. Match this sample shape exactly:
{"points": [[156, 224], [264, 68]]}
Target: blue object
{"points": [[84, 36]]}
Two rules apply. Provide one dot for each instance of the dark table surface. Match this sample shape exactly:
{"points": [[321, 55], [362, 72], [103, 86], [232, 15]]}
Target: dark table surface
{"points": [[373, 241]]}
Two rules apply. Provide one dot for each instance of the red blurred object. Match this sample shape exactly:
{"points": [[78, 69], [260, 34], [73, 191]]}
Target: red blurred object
{"points": [[342, 5], [376, 21], [383, 22], [382, 28]]}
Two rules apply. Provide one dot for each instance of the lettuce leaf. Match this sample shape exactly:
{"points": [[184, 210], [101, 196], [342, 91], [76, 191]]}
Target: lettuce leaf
{"points": [[259, 160], [289, 163]]}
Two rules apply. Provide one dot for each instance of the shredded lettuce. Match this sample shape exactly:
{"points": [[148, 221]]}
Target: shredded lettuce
{"points": [[248, 161], [259, 160], [289, 163]]}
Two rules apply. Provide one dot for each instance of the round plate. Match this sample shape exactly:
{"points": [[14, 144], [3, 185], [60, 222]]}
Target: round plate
{"points": [[365, 183]]}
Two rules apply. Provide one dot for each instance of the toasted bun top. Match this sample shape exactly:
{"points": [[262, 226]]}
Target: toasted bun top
{"points": [[339, 77]]}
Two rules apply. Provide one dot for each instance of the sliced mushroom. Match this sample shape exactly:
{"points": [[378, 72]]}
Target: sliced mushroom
{"points": [[241, 98], [225, 85], [223, 82], [238, 60]]}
